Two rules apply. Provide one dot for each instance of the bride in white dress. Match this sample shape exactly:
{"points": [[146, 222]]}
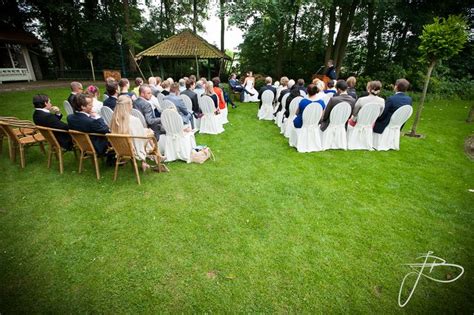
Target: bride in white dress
{"points": [[249, 85]]}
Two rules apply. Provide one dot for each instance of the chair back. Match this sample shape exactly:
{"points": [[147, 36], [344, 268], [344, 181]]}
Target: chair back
{"points": [[294, 105], [160, 98], [136, 113], [68, 108], [368, 114], [283, 100], [82, 141], [172, 122], [106, 113], [303, 93], [10, 129], [122, 144], [167, 104], [49, 136], [312, 114], [400, 116], [187, 101], [267, 97], [206, 104], [340, 114]]}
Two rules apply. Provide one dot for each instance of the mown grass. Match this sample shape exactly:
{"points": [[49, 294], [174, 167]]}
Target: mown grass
{"points": [[261, 229]]}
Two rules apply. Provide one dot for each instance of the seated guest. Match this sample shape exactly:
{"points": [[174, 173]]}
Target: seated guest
{"points": [[331, 90], [152, 85], [341, 87], [85, 120], [76, 88], [351, 83], [143, 105], [393, 103], [158, 84], [107, 81], [373, 88], [93, 91], [220, 95], [294, 92], [189, 92], [166, 87], [179, 103], [310, 99], [237, 87], [283, 86], [321, 95], [124, 86], [287, 90], [267, 86], [138, 83], [199, 88], [111, 88], [47, 115], [300, 85], [124, 123], [182, 84], [209, 91]]}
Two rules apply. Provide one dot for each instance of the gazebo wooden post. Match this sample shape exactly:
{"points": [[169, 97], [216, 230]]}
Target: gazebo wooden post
{"points": [[208, 68]]}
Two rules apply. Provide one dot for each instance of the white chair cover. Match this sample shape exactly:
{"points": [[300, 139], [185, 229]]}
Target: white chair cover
{"points": [[68, 108], [106, 114], [167, 104], [177, 143], [360, 136], [308, 137], [289, 126], [189, 105], [139, 115], [223, 115], [390, 138], [334, 137], [210, 123], [303, 93], [160, 97], [266, 110], [279, 116]]}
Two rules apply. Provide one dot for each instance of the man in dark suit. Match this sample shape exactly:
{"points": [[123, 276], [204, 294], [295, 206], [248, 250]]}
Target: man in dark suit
{"points": [[76, 87], [112, 92], [341, 87], [190, 84], [331, 70], [179, 103], [237, 87], [267, 86], [85, 120], [42, 116], [143, 105], [393, 103]]}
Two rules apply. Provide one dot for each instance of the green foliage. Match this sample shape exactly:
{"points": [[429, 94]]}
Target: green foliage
{"points": [[443, 39], [263, 229]]}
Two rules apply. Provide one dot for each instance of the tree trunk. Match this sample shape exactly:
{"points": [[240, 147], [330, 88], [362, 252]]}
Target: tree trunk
{"points": [[295, 24], [369, 61], [332, 27], [280, 49], [194, 15], [222, 16], [422, 101], [470, 117], [345, 31], [131, 61]]}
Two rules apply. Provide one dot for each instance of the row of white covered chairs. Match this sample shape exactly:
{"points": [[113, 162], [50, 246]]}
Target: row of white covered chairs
{"points": [[310, 138]]}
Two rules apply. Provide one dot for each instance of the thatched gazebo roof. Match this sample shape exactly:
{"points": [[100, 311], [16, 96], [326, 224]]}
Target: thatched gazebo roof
{"points": [[183, 45]]}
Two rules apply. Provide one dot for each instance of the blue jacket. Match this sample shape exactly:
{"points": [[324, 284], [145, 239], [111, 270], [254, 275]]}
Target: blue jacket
{"points": [[81, 122], [393, 103]]}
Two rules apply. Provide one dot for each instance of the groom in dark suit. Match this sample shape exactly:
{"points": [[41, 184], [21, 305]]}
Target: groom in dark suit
{"points": [[393, 103], [42, 116], [84, 120]]}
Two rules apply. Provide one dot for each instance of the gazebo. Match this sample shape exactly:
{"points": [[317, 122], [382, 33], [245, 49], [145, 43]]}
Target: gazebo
{"points": [[185, 45]]}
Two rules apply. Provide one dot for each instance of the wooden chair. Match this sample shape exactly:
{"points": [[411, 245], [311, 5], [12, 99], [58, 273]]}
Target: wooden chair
{"points": [[21, 134], [124, 151], [84, 144], [54, 146]]}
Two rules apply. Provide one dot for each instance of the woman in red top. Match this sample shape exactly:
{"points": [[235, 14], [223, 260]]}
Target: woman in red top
{"points": [[220, 95]]}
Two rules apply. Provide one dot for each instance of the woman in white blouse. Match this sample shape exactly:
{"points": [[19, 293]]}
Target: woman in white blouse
{"points": [[124, 123], [373, 88]]}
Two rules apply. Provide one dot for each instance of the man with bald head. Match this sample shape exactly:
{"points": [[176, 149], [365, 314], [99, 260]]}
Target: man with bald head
{"points": [[268, 86], [143, 105]]}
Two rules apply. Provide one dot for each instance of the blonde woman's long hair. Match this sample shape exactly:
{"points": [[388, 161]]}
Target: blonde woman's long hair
{"points": [[121, 117], [209, 89]]}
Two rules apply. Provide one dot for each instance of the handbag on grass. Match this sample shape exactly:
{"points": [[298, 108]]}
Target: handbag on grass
{"points": [[200, 154]]}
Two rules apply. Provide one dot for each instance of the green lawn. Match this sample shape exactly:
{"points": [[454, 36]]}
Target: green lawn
{"points": [[261, 229]]}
